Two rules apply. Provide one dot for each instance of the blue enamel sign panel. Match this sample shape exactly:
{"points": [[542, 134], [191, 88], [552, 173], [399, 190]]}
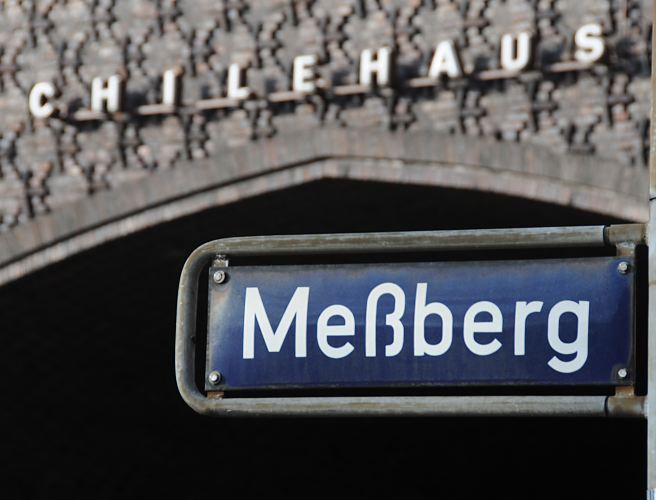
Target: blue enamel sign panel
{"points": [[536, 322]]}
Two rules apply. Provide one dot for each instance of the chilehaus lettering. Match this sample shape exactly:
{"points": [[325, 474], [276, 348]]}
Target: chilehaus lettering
{"points": [[374, 70]]}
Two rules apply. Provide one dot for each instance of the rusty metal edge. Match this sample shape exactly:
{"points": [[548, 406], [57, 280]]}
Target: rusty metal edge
{"points": [[376, 405], [623, 406], [626, 233]]}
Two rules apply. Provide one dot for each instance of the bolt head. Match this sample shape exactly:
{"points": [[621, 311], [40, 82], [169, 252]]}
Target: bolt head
{"points": [[622, 373], [219, 277], [214, 377], [623, 267]]}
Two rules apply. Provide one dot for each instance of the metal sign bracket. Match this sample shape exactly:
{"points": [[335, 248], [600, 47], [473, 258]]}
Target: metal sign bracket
{"points": [[622, 404]]}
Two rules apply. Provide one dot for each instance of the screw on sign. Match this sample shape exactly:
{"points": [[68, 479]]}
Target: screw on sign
{"points": [[214, 378], [623, 267]]}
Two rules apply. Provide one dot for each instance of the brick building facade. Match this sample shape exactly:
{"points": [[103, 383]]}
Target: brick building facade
{"points": [[216, 128], [565, 131]]}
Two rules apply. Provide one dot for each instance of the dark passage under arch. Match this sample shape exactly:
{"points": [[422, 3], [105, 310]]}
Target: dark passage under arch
{"points": [[89, 389]]}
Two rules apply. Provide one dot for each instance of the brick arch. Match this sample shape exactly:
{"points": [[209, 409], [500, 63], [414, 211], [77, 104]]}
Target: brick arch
{"points": [[410, 157]]}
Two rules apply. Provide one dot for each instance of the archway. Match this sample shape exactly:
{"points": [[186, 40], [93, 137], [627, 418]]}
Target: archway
{"points": [[418, 158], [89, 376]]}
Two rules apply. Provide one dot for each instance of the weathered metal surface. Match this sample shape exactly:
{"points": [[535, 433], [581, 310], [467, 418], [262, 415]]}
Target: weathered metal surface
{"points": [[438, 406], [626, 406], [634, 234], [651, 318], [483, 405], [419, 241], [381, 306], [651, 348]]}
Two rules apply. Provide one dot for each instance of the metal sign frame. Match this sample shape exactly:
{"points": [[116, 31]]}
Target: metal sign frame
{"points": [[651, 320], [624, 403]]}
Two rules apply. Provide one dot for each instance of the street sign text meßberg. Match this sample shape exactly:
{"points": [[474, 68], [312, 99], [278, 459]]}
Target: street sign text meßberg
{"points": [[548, 322]]}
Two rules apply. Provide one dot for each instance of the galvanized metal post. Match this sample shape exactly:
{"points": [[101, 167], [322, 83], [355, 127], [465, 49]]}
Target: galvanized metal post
{"points": [[651, 240]]}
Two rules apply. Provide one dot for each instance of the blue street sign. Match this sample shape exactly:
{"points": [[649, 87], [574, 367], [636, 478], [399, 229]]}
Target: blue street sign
{"points": [[559, 322]]}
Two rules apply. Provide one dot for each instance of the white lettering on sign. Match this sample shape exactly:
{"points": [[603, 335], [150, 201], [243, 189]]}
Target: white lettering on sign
{"points": [[522, 311], [471, 327], [393, 319], [325, 330], [423, 310], [482, 327], [375, 69], [254, 313], [579, 346]]}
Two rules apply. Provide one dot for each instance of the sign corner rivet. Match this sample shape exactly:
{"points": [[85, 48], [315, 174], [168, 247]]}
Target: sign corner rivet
{"points": [[623, 267], [219, 277], [214, 377], [622, 373]]}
